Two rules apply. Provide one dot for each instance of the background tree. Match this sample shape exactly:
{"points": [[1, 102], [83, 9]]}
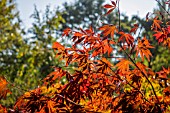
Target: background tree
{"points": [[11, 43], [82, 13], [26, 57]]}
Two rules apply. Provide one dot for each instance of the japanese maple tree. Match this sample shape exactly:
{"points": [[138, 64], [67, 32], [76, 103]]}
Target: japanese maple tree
{"points": [[102, 81]]}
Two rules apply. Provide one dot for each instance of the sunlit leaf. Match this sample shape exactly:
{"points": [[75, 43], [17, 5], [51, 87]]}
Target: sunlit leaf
{"points": [[108, 30], [126, 37], [143, 48], [66, 32], [124, 65], [58, 46], [162, 35], [51, 106], [156, 24]]}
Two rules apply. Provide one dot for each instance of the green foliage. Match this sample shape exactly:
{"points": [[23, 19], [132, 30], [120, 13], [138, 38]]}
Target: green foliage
{"points": [[26, 57]]}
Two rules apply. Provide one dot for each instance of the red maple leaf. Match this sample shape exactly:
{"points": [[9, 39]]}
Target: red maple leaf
{"points": [[161, 35], [110, 7]]}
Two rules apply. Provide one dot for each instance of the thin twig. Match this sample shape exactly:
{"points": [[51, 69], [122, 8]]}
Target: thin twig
{"points": [[163, 7], [119, 14], [69, 100], [134, 62], [141, 72], [130, 85]]}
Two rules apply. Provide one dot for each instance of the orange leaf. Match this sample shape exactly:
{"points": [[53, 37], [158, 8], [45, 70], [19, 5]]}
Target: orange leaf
{"points": [[107, 62], [128, 38], [78, 34], [51, 106], [142, 67], [143, 48], [58, 46], [156, 24], [66, 31], [104, 66], [110, 7], [107, 47], [108, 30], [3, 87], [3, 109], [123, 65], [167, 91]]}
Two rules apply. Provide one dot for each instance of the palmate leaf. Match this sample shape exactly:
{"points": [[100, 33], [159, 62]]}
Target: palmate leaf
{"points": [[126, 37], [108, 30], [110, 7], [107, 46], [66, 32], [156, 24], [166, 92], [58, 46], [108, 63], [104, 66], [51, 106], [143, 48], [103, 47], [163, 74], [124, 65], [57, 74], [162, 35]]}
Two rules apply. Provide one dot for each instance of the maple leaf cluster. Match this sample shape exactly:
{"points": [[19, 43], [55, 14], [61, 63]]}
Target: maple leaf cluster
{"points": [[98, 84], [162, 34]]}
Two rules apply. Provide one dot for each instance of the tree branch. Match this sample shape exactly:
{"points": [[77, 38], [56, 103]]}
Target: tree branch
{"points": [[163, 7]]}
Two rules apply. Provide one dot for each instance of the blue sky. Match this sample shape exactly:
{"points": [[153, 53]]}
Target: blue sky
{"points": [[129, 7]]}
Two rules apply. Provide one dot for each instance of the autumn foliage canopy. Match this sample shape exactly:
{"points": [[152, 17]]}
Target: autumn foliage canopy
{"points": [[102, 81]]}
